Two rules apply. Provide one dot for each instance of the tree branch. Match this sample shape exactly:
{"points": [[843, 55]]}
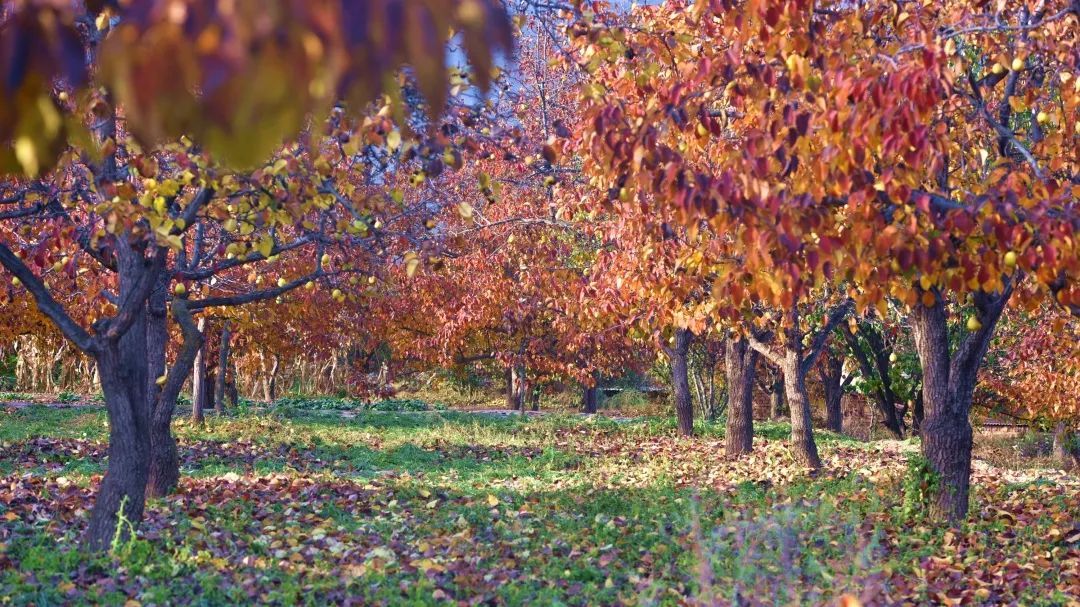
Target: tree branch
{"points": [[45, 302]]}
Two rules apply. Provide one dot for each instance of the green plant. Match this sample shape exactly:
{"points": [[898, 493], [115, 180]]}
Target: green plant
{"points": [[919, 484], [68, 397]]}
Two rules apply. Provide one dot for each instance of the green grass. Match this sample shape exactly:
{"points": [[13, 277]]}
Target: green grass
{"points": [[296, 506]]}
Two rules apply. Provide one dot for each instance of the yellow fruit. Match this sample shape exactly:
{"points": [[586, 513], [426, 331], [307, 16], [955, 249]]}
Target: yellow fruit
{"points": [[336, 293], [1010, 259], [1017, 64], [179, 289], [16, 282], [58, 266], [892, 357], [998, 68], [973, 324], [281, 282], [325, 259], [1042, 118]]}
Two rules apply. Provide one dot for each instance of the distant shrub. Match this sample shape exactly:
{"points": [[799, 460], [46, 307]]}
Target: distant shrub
{"points": [[1035, 444], [328, 403]]}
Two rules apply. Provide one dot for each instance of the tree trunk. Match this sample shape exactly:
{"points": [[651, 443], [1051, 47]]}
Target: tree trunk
{"points": [[534, 398], [199, 384], [832, 375], [589, 398], [231, 392], [122, 365], [883, 397], [948, 386], [161, 477], [680, 381], [270, 387], [918, 414], [220, 394], [510, 388], [777, 402], [517, 388], [164, 471], [740, 362], [802, 431]]}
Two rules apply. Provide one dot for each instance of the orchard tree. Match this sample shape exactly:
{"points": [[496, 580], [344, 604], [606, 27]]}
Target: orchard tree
{"points": [[1034, 374], [922, 152], [122, 168]]}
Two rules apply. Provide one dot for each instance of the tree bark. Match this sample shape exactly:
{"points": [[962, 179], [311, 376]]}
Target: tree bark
{"points": [[220, 392], [122, 364], [511, 403], [517, 388], [164, 471], [948, 386], [589, 398], [162, 444], [199, 384], [803, 445], [680, 381], [832, 375], [270, 385], [777, 402], [740, 362]]}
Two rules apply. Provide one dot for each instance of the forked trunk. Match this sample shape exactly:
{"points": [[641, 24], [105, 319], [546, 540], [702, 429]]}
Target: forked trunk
{"points": [[164, 471], [883, 395], [948, 385], [122, 364], [740, 362]]}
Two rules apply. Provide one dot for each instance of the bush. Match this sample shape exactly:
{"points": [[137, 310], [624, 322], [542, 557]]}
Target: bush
{"points": [[326, 403], [1035, 444]]}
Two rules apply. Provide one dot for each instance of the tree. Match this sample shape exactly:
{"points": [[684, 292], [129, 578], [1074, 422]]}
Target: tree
{"points": [[1033, 373], [146, 213], [923, 153]]}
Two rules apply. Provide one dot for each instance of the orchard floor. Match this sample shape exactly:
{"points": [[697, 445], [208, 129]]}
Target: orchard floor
{"points": [[440, 507]]}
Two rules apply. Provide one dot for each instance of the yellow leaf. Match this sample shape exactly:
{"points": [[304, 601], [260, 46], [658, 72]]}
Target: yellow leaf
{"points": [[265, 246], [393, 140], [492, 500]]}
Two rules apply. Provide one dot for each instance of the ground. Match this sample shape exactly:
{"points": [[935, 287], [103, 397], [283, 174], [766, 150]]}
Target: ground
{"points": [[291, 506]]}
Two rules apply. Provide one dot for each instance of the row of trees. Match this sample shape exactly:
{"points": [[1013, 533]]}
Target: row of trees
{"points": [[843, 190]]}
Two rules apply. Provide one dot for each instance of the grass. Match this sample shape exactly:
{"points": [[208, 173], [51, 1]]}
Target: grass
{"points": [[295, 506]]}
